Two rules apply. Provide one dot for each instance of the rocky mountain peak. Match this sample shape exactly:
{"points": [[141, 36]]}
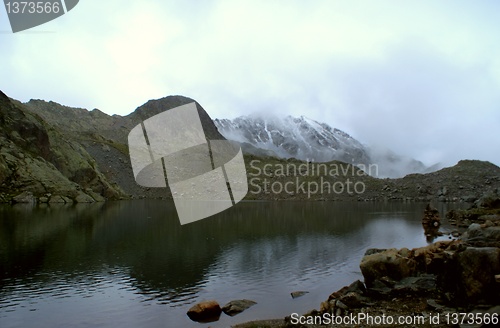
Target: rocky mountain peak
{"points": [[3, 99], [156, 106], [306, 139], [297, 137]]}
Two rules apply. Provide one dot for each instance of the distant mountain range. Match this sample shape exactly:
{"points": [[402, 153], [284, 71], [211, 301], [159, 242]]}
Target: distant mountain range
{"points": [[50, 153], [306, 139]]}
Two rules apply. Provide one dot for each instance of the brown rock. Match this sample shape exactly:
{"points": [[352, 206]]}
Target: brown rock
{"points": [[432, 258], [206, 311]]}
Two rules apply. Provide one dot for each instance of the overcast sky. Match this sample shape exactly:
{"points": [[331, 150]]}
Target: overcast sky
{"points": [[419, 77]]}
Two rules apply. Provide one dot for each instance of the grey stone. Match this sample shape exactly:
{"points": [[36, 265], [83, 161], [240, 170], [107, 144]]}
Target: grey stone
{"points": [[479, 236], [357, 287], [469, 198], [56, 199], [434, 306], [234, 307], [84, 198], [416, 285], [24, 197], [298, 293], [380, 289], [353, 300], [489, 200], [67, 200], [477, 267], [371, 251], [341, 305], [97, 197]]}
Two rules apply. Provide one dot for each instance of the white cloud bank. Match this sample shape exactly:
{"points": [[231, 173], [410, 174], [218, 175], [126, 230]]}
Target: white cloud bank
{"points": [[420, 77]]}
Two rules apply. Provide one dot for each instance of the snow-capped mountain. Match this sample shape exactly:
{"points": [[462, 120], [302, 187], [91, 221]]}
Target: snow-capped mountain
{"points": [[307, 139], [300, 138]]}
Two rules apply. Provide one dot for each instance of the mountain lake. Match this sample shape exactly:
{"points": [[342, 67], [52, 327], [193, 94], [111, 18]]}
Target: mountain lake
{"points": [[131, 264]]}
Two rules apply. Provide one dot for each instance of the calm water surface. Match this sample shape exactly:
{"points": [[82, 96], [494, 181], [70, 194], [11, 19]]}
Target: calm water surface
{"points": [[130, 263]]}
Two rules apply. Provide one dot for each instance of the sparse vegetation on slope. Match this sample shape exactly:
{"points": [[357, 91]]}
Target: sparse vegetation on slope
{"points": [[50, 149]]}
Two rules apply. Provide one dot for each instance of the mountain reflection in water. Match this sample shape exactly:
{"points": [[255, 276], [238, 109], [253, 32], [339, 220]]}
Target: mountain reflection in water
{"points": [[132, 264]]}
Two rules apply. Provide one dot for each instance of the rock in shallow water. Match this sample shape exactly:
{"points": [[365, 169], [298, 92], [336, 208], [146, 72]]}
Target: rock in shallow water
{"points": [[206, 311], [234, 307], [298, 294]]}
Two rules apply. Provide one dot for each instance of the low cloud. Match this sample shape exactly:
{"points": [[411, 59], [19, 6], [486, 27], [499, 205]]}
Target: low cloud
{"points": [[420, 78]]}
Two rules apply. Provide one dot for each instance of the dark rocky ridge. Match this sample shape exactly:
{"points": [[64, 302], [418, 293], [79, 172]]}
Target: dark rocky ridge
{"points": [[467, 181], [49, 149], [38, 159], [104, 137]]}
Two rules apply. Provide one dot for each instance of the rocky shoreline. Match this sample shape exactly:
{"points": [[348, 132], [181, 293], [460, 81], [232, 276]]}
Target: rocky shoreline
{"points": [[447, 283]]}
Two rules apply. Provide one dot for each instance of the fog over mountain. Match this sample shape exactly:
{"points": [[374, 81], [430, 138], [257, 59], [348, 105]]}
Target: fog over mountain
{"points": [[419, 77], [307, 139]]}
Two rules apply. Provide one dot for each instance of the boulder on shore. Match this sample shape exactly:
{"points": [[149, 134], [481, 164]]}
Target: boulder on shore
{"points": [[467, 273], [486, 235], [56, 199], [477, 268], [348, 297], [84, 198], [392, 263], [489, 200], [24, 197]]}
